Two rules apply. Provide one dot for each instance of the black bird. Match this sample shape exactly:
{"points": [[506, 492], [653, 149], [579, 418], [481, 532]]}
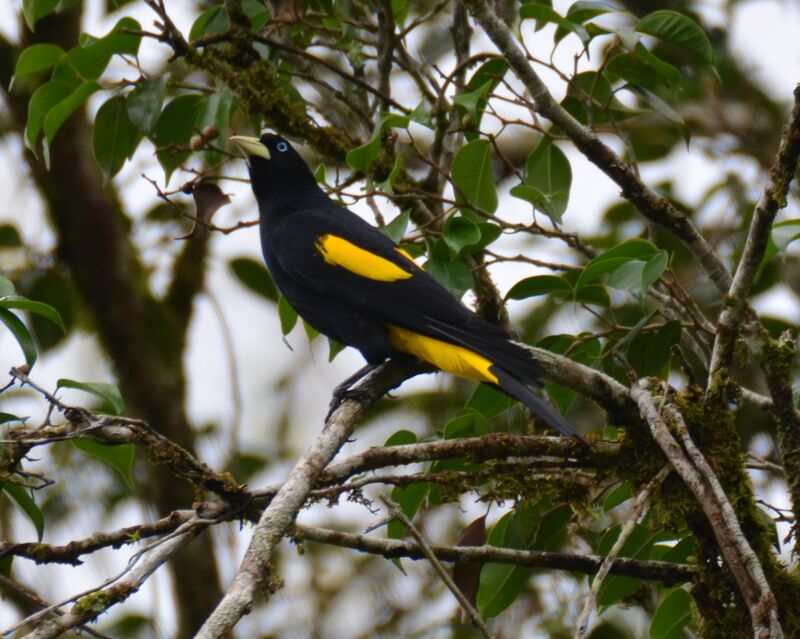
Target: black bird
{"points": [[353, 284]]}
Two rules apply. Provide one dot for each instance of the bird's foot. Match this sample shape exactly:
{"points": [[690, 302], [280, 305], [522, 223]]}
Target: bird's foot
{"points": [[342, 393]]}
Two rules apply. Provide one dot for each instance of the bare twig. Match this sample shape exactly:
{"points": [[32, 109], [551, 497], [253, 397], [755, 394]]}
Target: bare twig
{"points": [[665, 572], [466, 604], [637, 512]]}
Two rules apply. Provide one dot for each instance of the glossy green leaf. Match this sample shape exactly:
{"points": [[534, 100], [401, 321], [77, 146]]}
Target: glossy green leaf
{"points": [[472, 101], [114, 137], [680, 30], [107, 392], [610, 260], [620, 494], [215, 110], [409, 498], [401, 438], [543, 13], [473, 175], [21, 334], [362, 157], [258, 14], [388, 184], [42, 101], [6, 287], [672, 615], [35, 59], [489, 402], [396, 229], [459, 232], [174, 128], [40, 308], [212, 21], [23, 498], [468, 423], [547, 170], [638, 545], [454, 275], [144, 102], [119, 457], [254, 276], [35, 10], [650, 352], [287, 315], [60, 112], [540, 285]]}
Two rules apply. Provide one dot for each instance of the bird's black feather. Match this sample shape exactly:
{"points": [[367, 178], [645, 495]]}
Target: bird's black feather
{"points": [[356, 309]]}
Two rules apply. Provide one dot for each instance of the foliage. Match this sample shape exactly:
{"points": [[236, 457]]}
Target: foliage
{"points": [[466, 169]]}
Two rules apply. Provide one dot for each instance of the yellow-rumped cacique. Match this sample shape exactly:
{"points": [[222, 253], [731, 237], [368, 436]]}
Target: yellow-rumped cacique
{"points": [[354, 284]]}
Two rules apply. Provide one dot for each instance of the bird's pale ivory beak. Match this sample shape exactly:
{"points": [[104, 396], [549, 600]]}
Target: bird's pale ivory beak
{"points": [[250, 146]]}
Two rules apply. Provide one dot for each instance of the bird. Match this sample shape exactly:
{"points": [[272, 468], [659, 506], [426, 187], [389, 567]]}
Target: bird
{"points": [[351, 282]]}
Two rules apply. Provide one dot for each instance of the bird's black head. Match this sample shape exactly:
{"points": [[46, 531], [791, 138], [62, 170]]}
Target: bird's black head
{"points": [[281, 180]]}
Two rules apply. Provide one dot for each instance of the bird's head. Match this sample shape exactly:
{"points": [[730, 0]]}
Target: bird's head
{"points": [[277, 172]]}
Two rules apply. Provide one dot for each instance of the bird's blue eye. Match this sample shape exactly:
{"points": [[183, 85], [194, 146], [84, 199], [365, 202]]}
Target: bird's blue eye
{"points": [[282, 146]]}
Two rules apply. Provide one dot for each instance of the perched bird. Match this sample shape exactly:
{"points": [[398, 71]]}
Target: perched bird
{"points": [[352, 283]]}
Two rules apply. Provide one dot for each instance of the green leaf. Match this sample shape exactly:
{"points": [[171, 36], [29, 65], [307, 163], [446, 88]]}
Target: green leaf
{"points": [[107, 392], [672, 615], [388, 184], [175, 127], [454, 275], [35, 10], [680, 30], [543, 13], [42, 101], [637, 276], [473, 175], [396, 229], [287, 315], [362, 157], [40, 308], [24, 499], [409, 498], [334, 348], [468, 423], [215, 110], [650, 353], [401, 438], [620, 494], [663, 109], [610, 260], [144, 102], [21, 334], [258, 14], [540, 285], [637, 546], [489, 401], [8, 417], [459, 232], [35, 59], [119, 457], [114, 138], [472, 102], [6, 287], [547, 170], [214, 20], [254, 276], [60, 112]]}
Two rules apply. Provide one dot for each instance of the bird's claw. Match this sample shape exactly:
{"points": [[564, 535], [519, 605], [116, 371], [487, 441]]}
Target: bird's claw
{"points": [[342, 393]]}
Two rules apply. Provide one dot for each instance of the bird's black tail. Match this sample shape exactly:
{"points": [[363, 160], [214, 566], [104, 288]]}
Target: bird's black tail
{"points": [[513, 365], [536, 404]]}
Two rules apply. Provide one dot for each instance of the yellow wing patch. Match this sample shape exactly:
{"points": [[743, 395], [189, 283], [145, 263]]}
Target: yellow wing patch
{"points": [[447, 357], [337, 251]]}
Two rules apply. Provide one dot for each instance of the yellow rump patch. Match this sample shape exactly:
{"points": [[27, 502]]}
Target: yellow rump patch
{"points": [[337, 251], [447, 357]]}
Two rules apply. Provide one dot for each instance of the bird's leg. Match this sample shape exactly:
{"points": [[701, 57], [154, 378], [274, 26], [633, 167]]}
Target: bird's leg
{"points": [[344, 391]]}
